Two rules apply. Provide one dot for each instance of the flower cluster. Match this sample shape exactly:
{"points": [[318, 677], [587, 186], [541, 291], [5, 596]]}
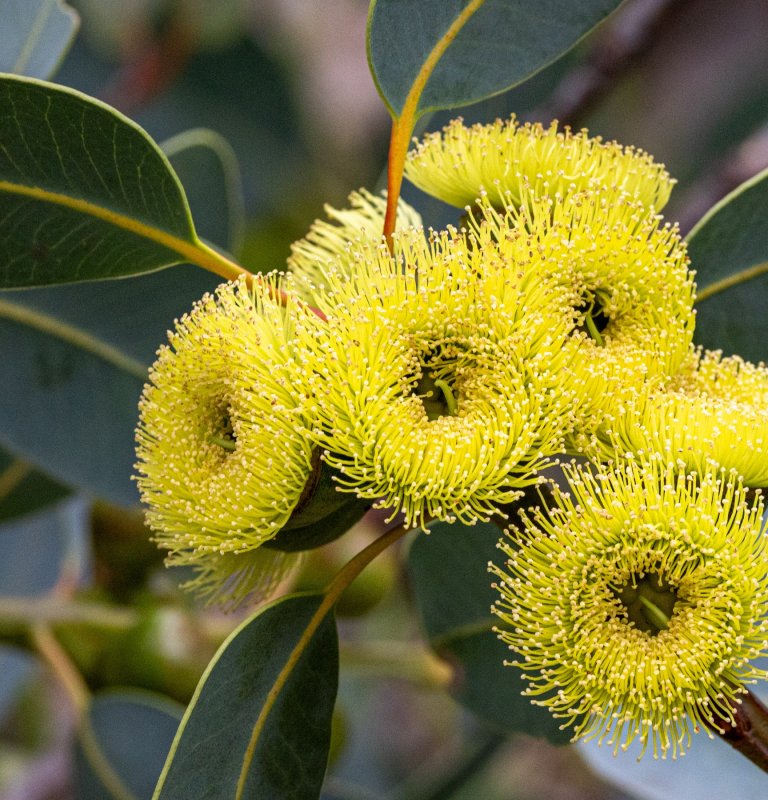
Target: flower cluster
{"points": [[438, 373]]}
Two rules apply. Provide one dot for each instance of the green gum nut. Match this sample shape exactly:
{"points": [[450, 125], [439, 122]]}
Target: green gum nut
{"points": [[165, 652]]}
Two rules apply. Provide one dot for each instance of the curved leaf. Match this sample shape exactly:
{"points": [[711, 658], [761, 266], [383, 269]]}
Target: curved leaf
{"points": [[500, 44], [259, 724], [76, 358], [207, 166], [729, 251], [449, 569], [24, 489], [120, 755], [108, 333], [84, 192], [447, 53], [710, 770], [35, 35], [34, 548]]}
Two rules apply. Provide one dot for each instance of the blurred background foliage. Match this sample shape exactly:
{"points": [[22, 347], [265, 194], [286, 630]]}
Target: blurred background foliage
{"points": [[286, 84]]}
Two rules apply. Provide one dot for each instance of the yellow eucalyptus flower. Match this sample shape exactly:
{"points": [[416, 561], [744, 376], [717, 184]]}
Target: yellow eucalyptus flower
{"points": [[223, 446], [438, 376], [507, 162], [714, 412], [632, 292], [638, 603], [337, 240]]}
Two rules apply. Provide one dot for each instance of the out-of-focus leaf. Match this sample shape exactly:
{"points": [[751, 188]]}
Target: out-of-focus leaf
{"points": [[729, 251], [232, 730], [208, 170], [34, 548], [72, 405], [24, 489], [35, 35], [449, 569], [501, 43], [17, 669], [84, 192], [123, 745], [76, 359], [710, 770]]}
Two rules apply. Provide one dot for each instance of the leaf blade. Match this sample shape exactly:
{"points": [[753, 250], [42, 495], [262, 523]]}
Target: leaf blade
{"points": [[122, 744], [729, 251], [24, 489], [215, 737], [71, 411], [401, 35], [84, 192], [208, 168]]}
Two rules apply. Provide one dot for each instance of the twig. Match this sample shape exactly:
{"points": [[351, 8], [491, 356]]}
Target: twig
{"points": [[749, 731], [619, 45]]}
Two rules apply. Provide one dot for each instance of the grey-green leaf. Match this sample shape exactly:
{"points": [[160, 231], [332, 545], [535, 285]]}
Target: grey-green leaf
{"points": [[76, 357], [24, 489], [452, 586], [289, 757], [208, 169], [35, 35], [103, 335], [710, 770], [84, 192], [729, 251], [502, 44]]}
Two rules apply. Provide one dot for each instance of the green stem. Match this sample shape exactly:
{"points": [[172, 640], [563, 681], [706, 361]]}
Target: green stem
{"points": [[335, 589], [25, 612], [72, 681]]}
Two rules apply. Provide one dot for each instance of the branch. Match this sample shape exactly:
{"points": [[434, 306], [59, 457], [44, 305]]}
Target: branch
{"points": [[618, 47], [749, 731]]}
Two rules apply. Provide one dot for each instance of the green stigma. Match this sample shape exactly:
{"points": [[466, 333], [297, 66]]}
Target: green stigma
{"points": [[437, 397], [223, 442], [595, 320], [589, 321], [226, 436], [448, 396], [649, 603]]}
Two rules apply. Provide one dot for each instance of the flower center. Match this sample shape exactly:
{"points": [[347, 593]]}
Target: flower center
{"points": [[224, 435], [435, 387], [649, 602]]}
